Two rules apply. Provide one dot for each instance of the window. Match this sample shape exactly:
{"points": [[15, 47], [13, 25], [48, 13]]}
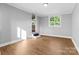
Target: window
{"points": [[33, 23], [21, 33], [55, 21], [18, 32]]}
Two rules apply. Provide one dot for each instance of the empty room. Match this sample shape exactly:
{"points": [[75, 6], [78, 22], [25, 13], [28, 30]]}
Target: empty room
{"points": [[39, 28]]}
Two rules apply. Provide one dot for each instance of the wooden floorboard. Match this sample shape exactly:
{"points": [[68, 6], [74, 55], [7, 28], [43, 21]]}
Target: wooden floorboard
{"points": [[44, 45]]}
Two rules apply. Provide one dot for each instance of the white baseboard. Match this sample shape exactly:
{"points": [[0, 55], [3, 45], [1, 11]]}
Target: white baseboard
{"points": [[75, 45], [57, 36], [4, 44], [66, 37]]}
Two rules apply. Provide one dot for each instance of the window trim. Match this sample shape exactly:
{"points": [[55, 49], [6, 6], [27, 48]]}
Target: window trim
{"points": [[54, 25]]}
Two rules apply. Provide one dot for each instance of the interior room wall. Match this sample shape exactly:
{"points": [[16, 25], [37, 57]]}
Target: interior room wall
{"points": [[10, 19], [64, 30], [5, 31], [75, 24]]}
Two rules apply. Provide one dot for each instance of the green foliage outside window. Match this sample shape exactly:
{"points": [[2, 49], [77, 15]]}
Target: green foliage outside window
{"points": [[55, 21], [33, 21]]}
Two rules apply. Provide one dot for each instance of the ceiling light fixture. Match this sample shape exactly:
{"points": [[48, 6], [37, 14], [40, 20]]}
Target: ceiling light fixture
{"points": [[45, 4]]}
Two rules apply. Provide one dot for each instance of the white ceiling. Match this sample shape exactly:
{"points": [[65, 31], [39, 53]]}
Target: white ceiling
{"points": [[40, 10]]}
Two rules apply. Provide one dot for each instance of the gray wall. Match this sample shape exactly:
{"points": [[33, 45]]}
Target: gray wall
{"points": [[10, 19], [75, 25], [5, 31], [64, 30]]}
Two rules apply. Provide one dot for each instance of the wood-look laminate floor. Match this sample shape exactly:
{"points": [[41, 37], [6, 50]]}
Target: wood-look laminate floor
{"points": [[44, 45]]}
